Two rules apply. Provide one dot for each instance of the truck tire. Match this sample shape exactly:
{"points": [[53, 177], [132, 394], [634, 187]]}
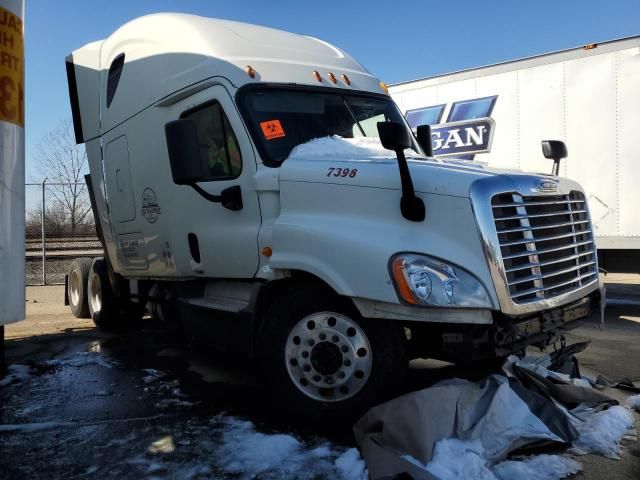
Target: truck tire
{"points": [[77, 277], [103, 305], [323, 361]]}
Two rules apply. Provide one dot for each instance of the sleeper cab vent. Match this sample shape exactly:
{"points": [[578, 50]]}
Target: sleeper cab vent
{"points": [[115, 70]]}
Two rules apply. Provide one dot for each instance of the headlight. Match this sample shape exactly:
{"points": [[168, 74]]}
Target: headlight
{"points": [[422, 280]]}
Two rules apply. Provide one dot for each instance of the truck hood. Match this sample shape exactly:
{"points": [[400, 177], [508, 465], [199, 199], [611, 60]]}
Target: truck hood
{"points": [[442, 177]]}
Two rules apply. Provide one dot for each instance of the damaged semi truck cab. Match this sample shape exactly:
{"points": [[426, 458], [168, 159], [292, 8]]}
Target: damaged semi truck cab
{"points": [[261, 189]]}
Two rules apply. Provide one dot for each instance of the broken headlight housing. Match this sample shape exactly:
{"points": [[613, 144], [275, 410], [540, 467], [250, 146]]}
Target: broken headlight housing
{"points": [[428, 281]]}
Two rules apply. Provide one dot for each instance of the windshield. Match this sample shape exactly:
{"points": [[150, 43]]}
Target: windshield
{"points": [[283, 118]]}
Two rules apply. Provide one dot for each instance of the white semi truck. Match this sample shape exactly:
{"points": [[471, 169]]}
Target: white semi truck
{"points": [[253, 187], [587, 96]]}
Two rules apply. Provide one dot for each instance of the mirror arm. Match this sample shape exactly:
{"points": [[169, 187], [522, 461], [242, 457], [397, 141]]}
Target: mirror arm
{"points": [[230, 198], [556, 167], [412, 207], [206, 195]]}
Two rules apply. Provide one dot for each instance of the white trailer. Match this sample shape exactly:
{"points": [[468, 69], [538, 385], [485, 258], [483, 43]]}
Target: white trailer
{"points": [[12, 259], [243, 184], [588, 97]]}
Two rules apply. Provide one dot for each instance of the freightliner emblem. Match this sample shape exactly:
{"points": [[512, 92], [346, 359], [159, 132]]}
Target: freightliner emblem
{"points": [[547, 185]]}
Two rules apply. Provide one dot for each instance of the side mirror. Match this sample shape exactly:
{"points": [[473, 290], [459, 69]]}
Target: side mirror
{"points": [[184, 152], [554, 150], [394, 136], [424, 139]]}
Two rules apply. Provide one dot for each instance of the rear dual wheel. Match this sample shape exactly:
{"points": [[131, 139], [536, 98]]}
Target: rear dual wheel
{"points": [[101, 299], [77, 287], [324, 361]]}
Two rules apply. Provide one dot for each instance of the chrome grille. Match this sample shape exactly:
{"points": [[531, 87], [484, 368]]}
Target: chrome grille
{"points": [[546, 244]]}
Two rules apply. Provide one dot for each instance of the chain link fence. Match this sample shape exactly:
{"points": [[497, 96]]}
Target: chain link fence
{"points": [[59, 227]]}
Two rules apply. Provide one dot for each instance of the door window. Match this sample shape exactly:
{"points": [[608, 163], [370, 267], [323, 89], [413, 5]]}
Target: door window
{"points": [[218, 143]]}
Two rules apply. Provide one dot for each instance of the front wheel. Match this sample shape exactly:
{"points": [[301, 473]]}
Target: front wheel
{"points": [[323, 358]]}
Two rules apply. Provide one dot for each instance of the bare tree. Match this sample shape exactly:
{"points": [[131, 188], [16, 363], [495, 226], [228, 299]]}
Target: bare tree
{"points": [[64, 164]]}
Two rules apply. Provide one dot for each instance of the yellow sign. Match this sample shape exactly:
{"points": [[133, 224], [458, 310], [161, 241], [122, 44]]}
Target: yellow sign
{"points": [[11, 68]]}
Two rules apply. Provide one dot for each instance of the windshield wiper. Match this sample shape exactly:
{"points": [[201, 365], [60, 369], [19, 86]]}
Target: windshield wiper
{"points": [[344, 100]]}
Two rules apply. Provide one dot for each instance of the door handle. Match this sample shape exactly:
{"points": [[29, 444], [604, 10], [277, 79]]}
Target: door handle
{"points": [[118, 186]]}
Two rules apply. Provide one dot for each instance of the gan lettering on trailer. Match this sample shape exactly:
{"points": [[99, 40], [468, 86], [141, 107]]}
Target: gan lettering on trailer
{"points": [[467, 131]]}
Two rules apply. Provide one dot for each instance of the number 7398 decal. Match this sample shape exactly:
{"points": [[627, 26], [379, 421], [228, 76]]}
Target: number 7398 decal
{"points": [[342, 172]]}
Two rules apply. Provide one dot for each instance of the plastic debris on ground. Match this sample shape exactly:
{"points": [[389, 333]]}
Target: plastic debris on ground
{"points": [[462, 430]]}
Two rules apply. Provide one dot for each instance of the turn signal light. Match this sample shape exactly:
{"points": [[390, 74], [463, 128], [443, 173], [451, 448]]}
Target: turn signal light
{"points": [[267, 251], [398, 273]]}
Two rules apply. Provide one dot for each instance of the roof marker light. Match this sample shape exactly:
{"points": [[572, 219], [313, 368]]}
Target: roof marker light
{"points": [[251, 72], [317, 75], [332, 77], [345, 79], [591, 46], [384, 87]]}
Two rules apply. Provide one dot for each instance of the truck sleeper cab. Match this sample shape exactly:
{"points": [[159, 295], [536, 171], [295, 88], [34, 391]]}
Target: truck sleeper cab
{"points": [[240, 188]]}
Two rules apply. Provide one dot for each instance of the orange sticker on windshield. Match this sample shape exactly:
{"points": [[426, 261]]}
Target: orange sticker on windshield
{"points": [[272, 129]]}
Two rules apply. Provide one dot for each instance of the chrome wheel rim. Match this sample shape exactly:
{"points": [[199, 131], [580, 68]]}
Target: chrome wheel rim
{"points": [[328, 357], [74, 288], [95, 293]]}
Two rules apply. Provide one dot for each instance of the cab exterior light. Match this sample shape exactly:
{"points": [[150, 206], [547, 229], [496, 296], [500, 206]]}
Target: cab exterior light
{"points": [[428, 281], [591, 46], [251, 72], [384, 87], [317, 75], [345, 79], [332, 77]]}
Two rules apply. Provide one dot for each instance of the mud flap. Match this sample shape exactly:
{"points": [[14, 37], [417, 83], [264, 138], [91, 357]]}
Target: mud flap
{"points": [[66, 290]]}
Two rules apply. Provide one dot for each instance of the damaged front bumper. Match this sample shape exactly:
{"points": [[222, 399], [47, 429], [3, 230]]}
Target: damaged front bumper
{"points": [[506, 335], [541, 329]]}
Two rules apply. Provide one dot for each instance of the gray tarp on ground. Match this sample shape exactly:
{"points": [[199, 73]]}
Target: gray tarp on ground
{"points": [[538, 400], [499, 412]]}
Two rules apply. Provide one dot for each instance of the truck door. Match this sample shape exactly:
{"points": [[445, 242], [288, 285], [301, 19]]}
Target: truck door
{"points": [[226, 239], [119, 181]]}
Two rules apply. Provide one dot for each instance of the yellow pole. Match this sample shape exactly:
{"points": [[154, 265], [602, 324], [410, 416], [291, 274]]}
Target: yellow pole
{"points": [[12, 251]]}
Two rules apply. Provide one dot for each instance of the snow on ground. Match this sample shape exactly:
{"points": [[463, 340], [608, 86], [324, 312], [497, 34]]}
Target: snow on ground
{"points": [[455, 459], [339, 147], [155, 381], [602, 432], [539, 467], [81, 359], [634, 402], [152, 375], [33, 427], [248, 453], [229, 447], [17, 373]]}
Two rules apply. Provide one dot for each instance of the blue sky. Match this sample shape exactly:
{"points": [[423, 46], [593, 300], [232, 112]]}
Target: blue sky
{"points": [[396, 41]]}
